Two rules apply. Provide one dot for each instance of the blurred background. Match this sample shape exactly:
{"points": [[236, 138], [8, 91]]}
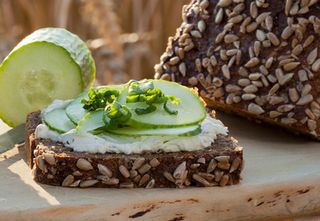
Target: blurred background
{"points": [[126, 37]]}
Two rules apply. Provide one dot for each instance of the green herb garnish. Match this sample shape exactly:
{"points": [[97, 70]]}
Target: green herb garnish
{"points": [[145, 92], [117, 114], [99, 98]]}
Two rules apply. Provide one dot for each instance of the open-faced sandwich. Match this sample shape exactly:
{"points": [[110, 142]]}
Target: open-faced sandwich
{"points": [[148, 133]]}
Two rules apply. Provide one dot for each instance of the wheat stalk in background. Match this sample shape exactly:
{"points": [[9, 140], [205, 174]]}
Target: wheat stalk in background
{"points": [[126, 37]]}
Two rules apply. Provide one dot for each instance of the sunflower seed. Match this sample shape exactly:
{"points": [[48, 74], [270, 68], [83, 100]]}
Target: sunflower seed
{"points": [[269, 62], [250, 89], [251, 27], [144, 179], [201, 180], [88, 183], [224, 159], [310, 114], [305, 99], [41, 164], [236, 19], [201, 160], [195, 34], [316, 65], [262, 17], [231, 88], [224, 180], [235, 164], [84, 164], [75, 183], [306, 89], [308, 41], [133, 173], [179, 170], [144, 168], [297, 50], [182, 69], [230, 38], [150, 184], [154, 162], [260, 35], [302, 75], [243, 82], [239, 8], [247, 97], [290, 66], [253, 10], [312, 125], [217, 175], [211, 166], [225, 71], [285, 79], [293, 95], [273, 38], [124, 171], [312, 56], [111, 181], [273, 100], [166, 77], [175, 60], [224, 3], [194, 165], [126, 185], [294, 9], [285, 108], [269, 23], [138, 163], [206, 176], [49, 158], [288, 121], [201, 25], [104, 170], [223, 165], [257, 48], [252, 62], [169, 176], [286, 33], [244, 24], [255, 109], [274, 114], [68, 180], [219, 16]]}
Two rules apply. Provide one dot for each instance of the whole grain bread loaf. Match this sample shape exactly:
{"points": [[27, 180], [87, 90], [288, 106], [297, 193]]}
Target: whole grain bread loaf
{"points": [[256, 58], [52, 163]]}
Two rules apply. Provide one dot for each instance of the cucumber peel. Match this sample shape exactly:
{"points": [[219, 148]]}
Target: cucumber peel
{"points": [[49, 64]]}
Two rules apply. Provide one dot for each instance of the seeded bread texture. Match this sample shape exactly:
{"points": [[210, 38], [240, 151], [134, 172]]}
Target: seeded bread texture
{"points": [[54, 164], [258, 59]]}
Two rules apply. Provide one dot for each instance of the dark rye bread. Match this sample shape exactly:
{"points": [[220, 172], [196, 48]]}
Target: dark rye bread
{"points": [[258, 59], [54, 164]]}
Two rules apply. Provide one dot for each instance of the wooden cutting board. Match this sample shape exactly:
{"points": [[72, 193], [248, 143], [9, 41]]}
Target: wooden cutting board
{"points": [[281, 179]]}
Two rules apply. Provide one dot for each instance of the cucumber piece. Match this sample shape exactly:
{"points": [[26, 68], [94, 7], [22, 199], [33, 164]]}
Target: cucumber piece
{"points": [[91, 121], [58, 120], [190, 110], [180, 131], [49, 64], [75, 110]]}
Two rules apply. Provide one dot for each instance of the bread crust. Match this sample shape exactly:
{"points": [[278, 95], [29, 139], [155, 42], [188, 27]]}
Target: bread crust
{"points": [[257, 59], [54, 164]]}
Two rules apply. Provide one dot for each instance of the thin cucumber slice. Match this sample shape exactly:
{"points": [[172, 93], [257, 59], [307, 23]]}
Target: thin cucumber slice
{"points": [[58, 120], [91, 121], [49, 64], [75, 110], [190, 110], [181, 131]]}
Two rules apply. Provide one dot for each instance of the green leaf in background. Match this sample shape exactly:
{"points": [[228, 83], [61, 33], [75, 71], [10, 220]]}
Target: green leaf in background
{"points": [[11, 137]]}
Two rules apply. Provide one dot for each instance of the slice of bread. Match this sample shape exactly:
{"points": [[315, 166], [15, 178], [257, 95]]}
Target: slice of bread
{"points": [[54, 164], [258, 59]]}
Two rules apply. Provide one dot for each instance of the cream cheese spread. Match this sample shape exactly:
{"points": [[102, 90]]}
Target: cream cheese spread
{"points": [[103, 143]]}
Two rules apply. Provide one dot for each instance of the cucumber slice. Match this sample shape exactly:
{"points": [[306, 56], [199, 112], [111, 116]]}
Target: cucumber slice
{"points": [[181, 131], [49, 64], [75, 110], [91, 121], [58, 120], [190, 110]]}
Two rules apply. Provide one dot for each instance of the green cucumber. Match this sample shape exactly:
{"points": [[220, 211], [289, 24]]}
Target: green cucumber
{"points": [[180, 131], [91, 121], [49, 64], [58, 120], [75, 110], [190, 110]]}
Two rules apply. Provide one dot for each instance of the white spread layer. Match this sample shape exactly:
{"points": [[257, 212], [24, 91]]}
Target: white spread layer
{"points": [[103, 143]]}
